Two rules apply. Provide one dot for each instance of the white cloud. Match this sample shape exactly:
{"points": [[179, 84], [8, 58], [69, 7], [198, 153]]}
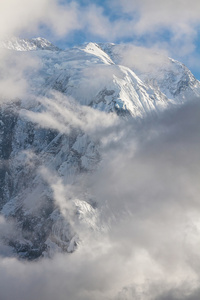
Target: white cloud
{"points": [[141, 59], [178, 20], [13, 69], [154, 13], [63, 114], [20, 17]]}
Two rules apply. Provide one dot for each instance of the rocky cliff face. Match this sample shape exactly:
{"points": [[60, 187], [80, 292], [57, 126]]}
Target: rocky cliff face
{"points": [[48, 141]]}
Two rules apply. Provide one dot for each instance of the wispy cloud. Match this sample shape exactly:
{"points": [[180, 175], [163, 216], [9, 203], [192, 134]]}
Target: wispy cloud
{"points": [[19, 17], [14, 68], [63, 114]]}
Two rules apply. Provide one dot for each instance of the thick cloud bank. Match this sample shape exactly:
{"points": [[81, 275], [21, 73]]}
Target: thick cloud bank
{"points": [[147, 190]]}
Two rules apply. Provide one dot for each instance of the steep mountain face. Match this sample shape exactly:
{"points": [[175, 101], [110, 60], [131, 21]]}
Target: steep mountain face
{"points": [[47, 144], [165, 76]]}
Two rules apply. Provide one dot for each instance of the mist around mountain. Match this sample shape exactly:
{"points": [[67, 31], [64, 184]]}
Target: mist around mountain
{"points": [[99, 173]]}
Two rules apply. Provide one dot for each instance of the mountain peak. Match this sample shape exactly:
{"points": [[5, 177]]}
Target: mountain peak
{"points": [[95, 49], [18, 44]]}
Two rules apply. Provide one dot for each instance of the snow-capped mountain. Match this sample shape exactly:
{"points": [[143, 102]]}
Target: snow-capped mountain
{"points": [[47, 143]]}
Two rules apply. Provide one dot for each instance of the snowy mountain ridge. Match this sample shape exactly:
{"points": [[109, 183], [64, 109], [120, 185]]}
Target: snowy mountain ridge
{"points": [[27, 44], [48, 140]]}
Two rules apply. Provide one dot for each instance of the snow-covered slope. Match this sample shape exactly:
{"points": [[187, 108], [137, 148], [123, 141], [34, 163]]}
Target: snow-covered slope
{"points": [[47, 143], [27, 44], [157, 71]]}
